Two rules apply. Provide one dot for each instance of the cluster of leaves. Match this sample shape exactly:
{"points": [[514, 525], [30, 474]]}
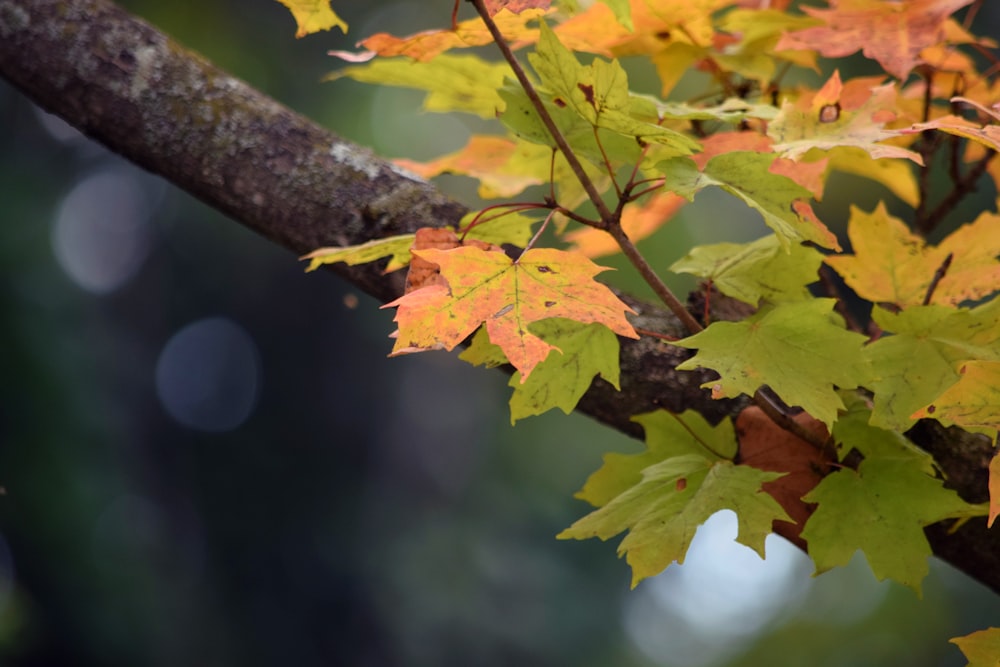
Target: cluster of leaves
{"points": [[929, 349]]}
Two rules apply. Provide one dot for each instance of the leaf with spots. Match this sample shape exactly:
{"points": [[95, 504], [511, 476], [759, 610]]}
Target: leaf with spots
{"points": [[834, 119], [973, 402], [507, 296], [664, 509], [799, 349]]}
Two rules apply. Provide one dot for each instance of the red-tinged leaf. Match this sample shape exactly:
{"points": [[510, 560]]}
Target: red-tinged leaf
{"points": [[836, 117], [506, 295], [638, 221], [891, 32], [313, 15], [426, 45]]}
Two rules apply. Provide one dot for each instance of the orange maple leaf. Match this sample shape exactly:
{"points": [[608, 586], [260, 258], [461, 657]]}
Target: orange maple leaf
{"points": [[507, 295], [425, 45], [891, 32]]}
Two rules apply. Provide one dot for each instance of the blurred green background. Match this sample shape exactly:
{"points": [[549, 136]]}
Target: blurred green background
{"points": [[206, 458]]}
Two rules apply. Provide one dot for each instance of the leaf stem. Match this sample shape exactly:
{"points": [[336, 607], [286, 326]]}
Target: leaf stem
{"points": [[654, 281], [543, 113]]}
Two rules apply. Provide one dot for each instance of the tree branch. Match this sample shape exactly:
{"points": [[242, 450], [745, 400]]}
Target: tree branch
{"points": [[144, 96]]}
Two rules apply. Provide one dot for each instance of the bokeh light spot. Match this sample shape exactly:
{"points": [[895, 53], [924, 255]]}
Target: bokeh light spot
{"points": [[101, 235], [208, 375]]}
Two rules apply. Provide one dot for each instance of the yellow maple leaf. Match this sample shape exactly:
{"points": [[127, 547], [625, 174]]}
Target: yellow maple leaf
{"points": [[313, 16], [488, 287], [893, 265]]}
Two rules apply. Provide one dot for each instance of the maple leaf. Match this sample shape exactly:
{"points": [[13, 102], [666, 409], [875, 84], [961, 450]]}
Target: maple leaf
{"points": [[667, 435], [853, 431], [981, 648], [778, 199], [893, 33], [754, 271], [674, 497], [829, 122], [767, 446], [453, 83], [582, 352], [491, 160], [881, 509], [916, 365], [427, 45], [493, 7], [638, 221], [506, 295], [893, 265], [795, 348], [512, 228], [973, 402], [895, 175], [598, 93], [986, 135], [313, 15]]}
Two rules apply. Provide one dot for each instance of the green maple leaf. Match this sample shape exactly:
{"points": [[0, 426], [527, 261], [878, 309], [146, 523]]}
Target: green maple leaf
{"points": [[880, 509], [981, 648], [599, 94], [796, 348], [911, 368], [663, 511], [582, 352], [779, 199], [853, 431], [667, 435], [756, 270], [453, 83]]}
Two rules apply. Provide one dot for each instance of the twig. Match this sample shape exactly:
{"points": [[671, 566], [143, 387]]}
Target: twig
{"points": [[926, 222], [543, 113], [654, 281], [772, 406], [938, 275], [831, 290]]}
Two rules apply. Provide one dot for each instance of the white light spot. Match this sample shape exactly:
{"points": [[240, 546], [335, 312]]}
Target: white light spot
{"points": [[101, 235], [208, 375], [705, 610]]}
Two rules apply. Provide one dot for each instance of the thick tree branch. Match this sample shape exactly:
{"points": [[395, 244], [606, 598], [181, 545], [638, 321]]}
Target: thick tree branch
{"points": [[141, 94]]}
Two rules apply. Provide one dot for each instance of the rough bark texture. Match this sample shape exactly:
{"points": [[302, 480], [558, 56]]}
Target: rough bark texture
{"points": [[135, 90]]}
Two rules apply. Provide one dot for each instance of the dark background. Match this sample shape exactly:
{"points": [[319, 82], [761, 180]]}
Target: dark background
{"points": [[206, 458]]}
